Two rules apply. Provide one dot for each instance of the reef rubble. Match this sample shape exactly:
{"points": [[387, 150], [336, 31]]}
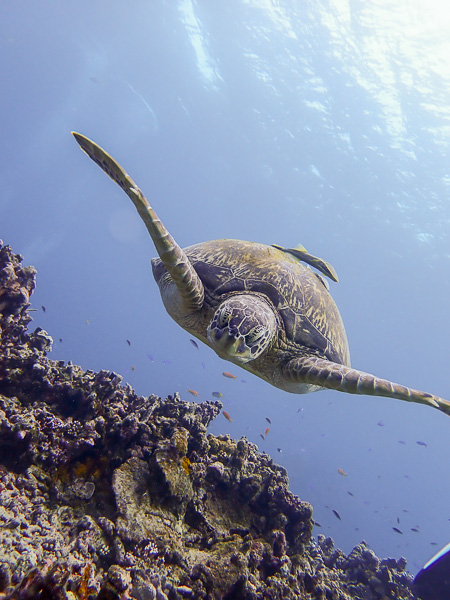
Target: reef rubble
{"points": [[105, 494]]}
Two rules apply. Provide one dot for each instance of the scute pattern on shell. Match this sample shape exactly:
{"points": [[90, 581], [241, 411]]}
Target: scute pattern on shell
{"points": [[309, 314]]}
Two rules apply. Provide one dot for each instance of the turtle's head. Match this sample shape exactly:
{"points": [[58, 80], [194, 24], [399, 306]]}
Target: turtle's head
{"points": [[242, 327]]}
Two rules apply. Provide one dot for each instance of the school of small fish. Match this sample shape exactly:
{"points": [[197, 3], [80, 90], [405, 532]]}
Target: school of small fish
{"points": [[186, 463]]}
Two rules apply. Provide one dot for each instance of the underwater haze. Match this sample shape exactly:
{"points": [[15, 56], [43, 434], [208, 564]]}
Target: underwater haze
{"points": [[321, 122]]}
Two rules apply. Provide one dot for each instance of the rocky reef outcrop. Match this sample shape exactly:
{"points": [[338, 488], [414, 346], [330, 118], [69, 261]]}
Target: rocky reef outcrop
{"points": [[105, 494]]}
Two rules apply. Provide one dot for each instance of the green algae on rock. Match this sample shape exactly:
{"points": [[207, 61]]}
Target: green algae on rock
{"points": [[105, 494]]}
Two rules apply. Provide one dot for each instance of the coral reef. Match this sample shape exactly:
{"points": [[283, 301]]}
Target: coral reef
{"points": [[105, 494]]}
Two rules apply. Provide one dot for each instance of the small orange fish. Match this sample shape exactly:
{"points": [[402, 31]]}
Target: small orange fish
{"points": [[226, 415], [266, 431], [229, 375], [193, 392], [342, 472]]}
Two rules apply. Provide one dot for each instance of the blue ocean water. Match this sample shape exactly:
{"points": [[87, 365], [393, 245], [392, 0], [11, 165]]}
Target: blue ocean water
{"points": [[320, 122]]}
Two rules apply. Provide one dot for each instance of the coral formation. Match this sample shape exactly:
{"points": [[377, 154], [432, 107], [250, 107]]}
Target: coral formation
{"points": [[105, 494]]}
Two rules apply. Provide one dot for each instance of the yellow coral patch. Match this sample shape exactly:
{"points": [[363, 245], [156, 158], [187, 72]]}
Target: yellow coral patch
{"points": [[186, 464]]}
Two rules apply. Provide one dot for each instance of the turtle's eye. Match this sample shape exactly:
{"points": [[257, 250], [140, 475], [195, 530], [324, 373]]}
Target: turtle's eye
{"points": [[225, 315], [255, 334]]}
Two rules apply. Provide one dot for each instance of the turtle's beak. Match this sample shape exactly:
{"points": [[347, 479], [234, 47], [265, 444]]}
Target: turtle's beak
{"points": [[229, 345]]}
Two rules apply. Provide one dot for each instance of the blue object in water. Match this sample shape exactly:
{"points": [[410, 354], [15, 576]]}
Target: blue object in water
{"points": [[432, 582]]}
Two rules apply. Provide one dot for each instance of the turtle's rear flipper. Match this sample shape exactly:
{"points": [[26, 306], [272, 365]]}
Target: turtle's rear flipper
{"points": [[327, 374], [175, 260], [318, 263]]}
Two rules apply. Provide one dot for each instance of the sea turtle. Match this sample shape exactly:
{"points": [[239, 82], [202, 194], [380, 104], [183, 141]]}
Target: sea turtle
{"points": [[257, 306]]}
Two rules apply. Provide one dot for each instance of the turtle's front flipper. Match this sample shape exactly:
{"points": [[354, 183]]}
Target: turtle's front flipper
{"points": [[173, 257], [318, 371], [318, 263]]}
